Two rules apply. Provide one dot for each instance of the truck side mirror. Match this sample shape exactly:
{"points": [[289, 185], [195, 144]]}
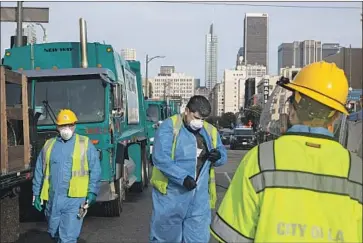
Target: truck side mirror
{"points": [[117, 101]]}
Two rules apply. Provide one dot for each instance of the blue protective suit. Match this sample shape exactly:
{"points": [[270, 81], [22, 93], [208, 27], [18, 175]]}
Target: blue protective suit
{"points": [[61, 211], [181, 215], [312, 130]]}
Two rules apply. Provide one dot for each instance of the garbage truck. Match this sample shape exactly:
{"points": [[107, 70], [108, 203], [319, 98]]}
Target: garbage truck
{"points": [[105, 92], [17, 155]]}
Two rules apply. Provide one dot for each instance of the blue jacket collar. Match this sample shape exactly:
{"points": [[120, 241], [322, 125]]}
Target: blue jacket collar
{"points": [[312, 130]]}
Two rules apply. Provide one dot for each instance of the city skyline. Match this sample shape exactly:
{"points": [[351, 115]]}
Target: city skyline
{"points": [[186, 24]]}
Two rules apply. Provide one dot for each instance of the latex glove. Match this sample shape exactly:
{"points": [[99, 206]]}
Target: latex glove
{"points": [[37, 203], [189, 183], [214, 155], [91, 198]]}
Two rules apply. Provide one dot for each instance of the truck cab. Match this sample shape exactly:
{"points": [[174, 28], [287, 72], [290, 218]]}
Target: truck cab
{"points": [[242, 137], [156, 113]]}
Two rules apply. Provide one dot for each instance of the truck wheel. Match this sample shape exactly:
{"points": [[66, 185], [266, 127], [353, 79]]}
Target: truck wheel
{"points": [[114, 208], [139, 186]]}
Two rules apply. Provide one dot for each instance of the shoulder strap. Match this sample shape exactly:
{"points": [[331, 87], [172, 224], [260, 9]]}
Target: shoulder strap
{"points": [[212, 132]]}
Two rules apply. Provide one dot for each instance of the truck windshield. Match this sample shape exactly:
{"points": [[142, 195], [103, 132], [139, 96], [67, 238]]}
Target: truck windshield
{"points": [[243, 132], [85, 97], [153, 113]]}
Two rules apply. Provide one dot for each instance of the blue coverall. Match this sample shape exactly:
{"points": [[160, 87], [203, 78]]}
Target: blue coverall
{"points": [[61, 211], [181, 215]]}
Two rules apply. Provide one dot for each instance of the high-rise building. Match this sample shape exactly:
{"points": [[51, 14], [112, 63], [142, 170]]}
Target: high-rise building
{"points": [[301, 53], [177, 84], [250, 90], [306, 52], [216, 98], [30, 32], [240, 56], [203, 91], [285, 56], [197, 83], [330, 49], [255, 39], [129, 54], [166, 70], [211, 61]]}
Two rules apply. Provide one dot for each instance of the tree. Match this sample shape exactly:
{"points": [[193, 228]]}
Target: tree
{"points": [[227, 119], [252, 114]]}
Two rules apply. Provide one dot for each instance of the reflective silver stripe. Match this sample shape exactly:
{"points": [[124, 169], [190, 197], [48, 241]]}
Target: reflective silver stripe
{"points": [[226, 232], [45, 149], [308, 181], [177, 125], [83, 154], [266, 156], [212, 180], [46, 177], [80, 173], [355, 170]]}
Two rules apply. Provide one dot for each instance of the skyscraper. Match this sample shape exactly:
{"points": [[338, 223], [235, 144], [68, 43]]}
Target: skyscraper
{"points": [[128, 54], [285, 56], [330, 49], [306, 52], [211, 46], [255, 39]]}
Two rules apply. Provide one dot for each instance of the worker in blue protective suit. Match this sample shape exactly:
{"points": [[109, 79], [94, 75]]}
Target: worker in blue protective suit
{"points": [[183, 213], [67, 177]]}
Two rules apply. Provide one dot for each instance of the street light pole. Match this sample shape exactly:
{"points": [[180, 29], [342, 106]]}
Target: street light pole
{"points": [[147, 72], [44, 32], [19, 24]]}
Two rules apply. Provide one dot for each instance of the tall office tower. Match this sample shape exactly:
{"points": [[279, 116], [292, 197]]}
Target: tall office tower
{"points": [[211, 61], [255, 39], [128, 54]]}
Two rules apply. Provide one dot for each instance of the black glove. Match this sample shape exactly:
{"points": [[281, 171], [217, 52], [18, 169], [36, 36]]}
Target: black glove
{"points": [[214, 155], [189, 183]]}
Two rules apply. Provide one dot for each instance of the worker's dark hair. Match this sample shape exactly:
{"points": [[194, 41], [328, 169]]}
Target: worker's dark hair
{"points": [[200, 104]]}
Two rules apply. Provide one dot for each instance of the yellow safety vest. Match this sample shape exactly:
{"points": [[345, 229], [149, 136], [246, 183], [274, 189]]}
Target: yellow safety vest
{"points": [[293, 189], [160, 181], [78, 186]]}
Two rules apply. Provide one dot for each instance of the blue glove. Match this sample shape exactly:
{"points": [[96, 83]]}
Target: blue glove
{"points": [[38, 203], [91, 198]]}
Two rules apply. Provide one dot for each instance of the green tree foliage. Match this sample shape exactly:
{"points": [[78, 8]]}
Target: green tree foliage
{"points": [[253, 114], [227, 119]]}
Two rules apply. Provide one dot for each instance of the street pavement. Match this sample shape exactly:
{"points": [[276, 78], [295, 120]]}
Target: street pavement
{"points": [[133, 224]]}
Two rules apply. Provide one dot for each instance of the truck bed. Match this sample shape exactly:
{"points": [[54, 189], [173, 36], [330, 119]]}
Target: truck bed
{"points": [[14, 132]]}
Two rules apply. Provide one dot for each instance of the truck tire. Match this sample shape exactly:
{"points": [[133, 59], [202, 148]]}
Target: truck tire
{"points": [[114, 208], [139, 186]]}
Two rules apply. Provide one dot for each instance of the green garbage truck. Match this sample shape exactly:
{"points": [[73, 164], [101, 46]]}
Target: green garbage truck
{"points": [[105, 92]]}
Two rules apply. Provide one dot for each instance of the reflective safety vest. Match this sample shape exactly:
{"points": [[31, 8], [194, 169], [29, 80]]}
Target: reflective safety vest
{"points": [[160, 181], [78, 186], [293, 189]]}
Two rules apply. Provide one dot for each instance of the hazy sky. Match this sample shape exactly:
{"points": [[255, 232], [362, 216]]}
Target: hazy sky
{"points": [[178, 30]]}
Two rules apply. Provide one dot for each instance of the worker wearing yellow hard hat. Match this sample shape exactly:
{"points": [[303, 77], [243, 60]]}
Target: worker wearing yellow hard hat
{"points": [[304, 186], [67, 176]]}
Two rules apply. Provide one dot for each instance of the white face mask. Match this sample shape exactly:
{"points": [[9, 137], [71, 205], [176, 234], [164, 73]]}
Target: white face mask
{"points": [[66, 133], [196, 124]]}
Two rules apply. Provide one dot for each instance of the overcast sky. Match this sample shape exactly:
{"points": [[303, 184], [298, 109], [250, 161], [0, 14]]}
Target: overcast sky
{"points": [[178, 30]]}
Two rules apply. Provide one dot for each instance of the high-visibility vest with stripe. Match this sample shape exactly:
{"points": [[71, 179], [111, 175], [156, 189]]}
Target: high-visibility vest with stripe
{"points": [[78, 185], [160, 181], [293, 189]]}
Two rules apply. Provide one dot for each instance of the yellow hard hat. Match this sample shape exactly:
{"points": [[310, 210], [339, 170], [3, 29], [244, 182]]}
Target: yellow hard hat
{"points": [[66, 117], [323, 82]]}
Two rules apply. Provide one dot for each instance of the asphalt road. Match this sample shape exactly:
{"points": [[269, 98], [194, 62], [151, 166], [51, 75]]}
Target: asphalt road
{"points": [[133, 225]]}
